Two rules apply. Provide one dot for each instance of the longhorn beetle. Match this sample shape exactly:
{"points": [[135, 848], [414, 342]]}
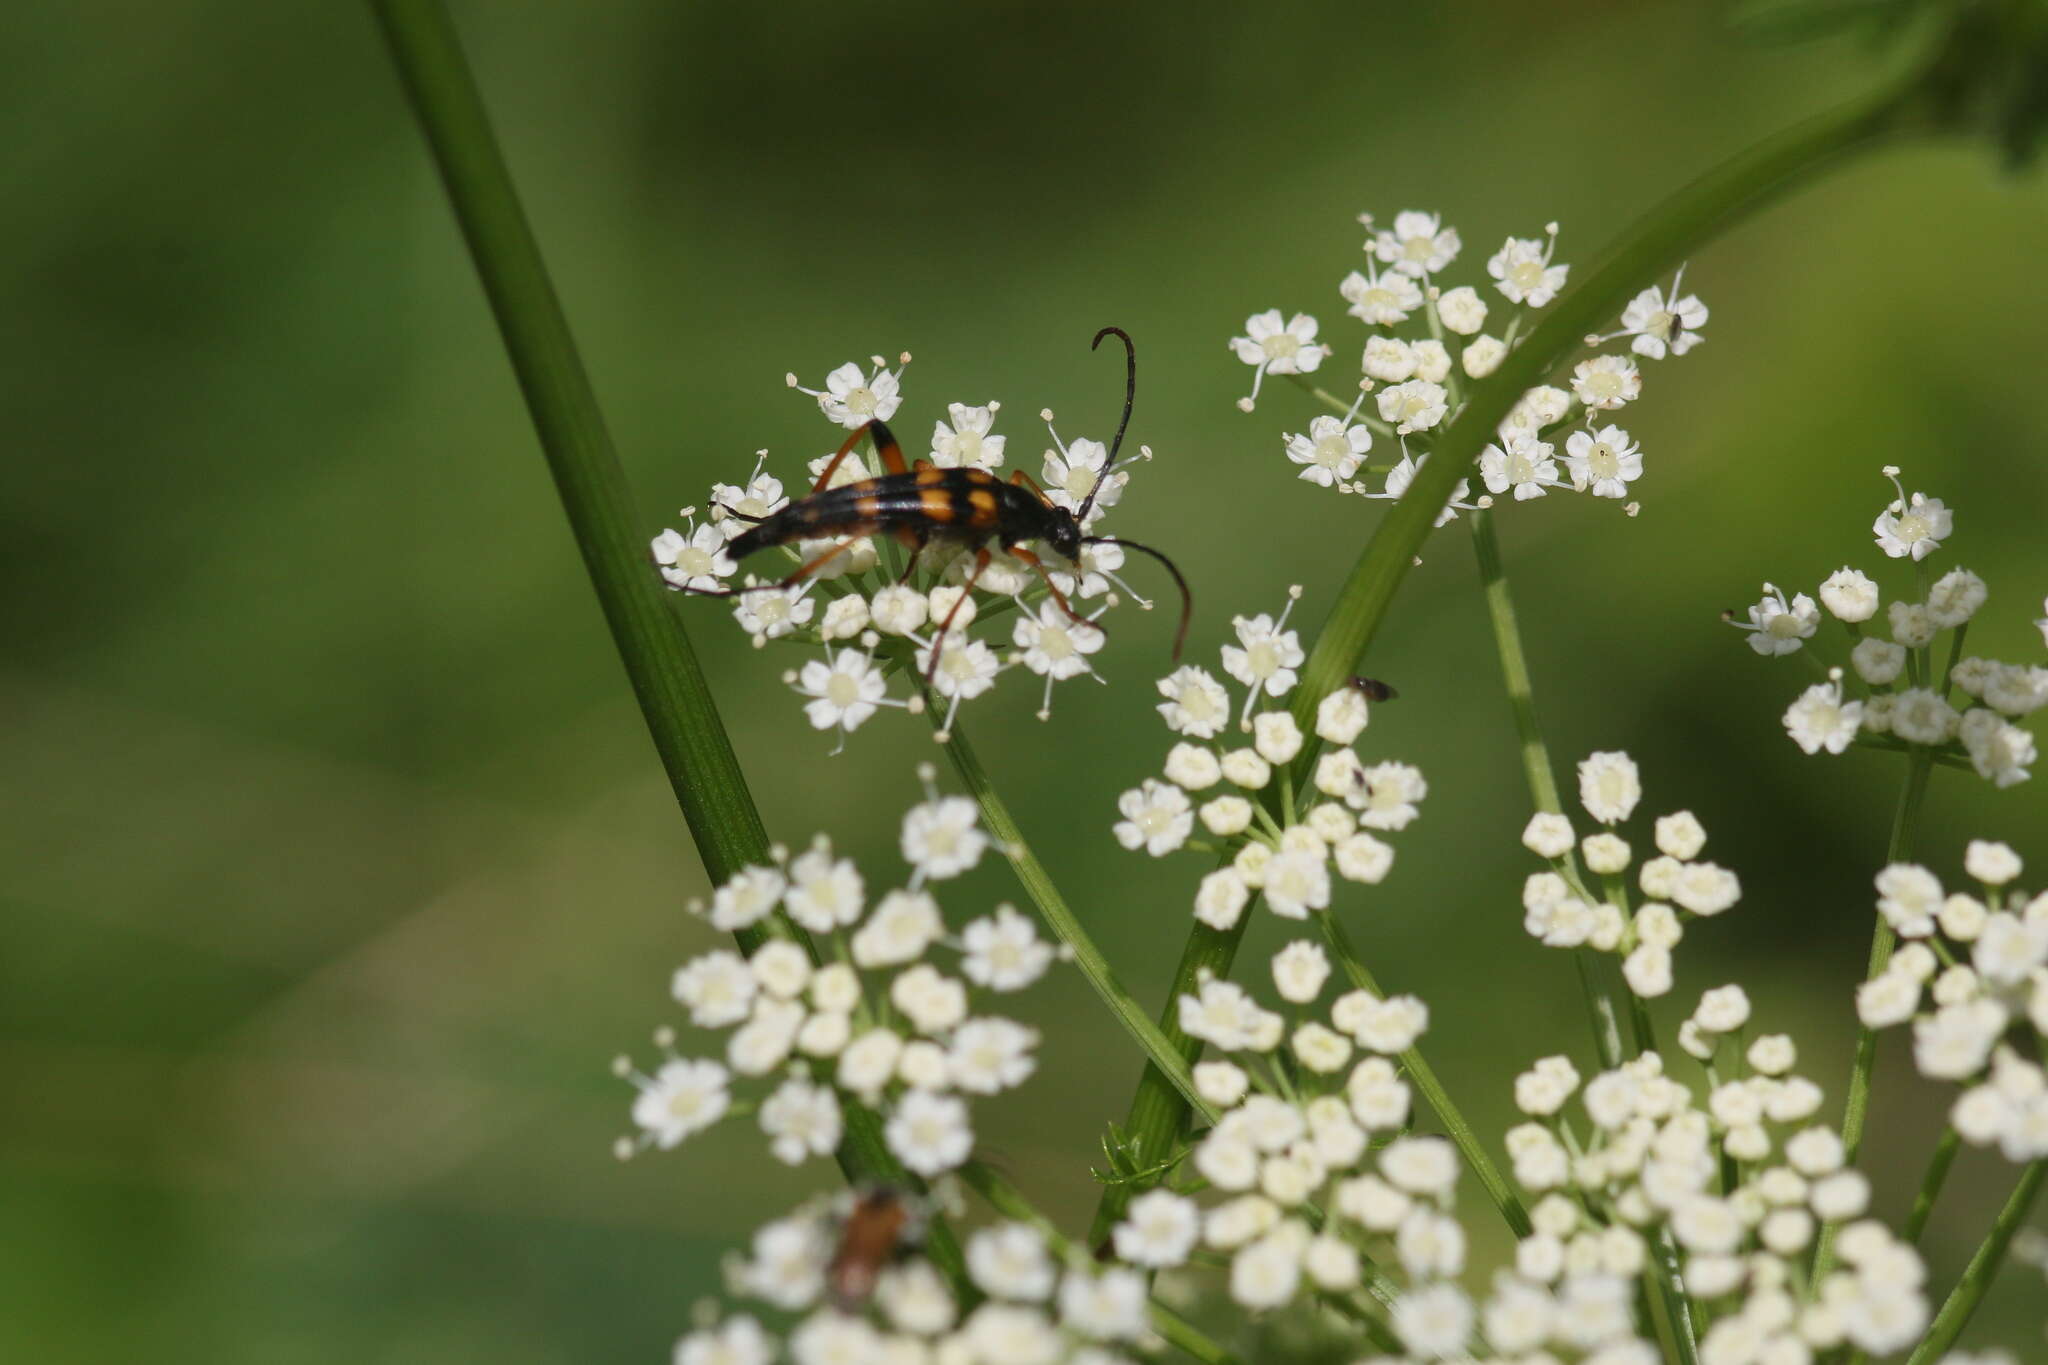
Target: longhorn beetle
{"points": [[920, 503]]}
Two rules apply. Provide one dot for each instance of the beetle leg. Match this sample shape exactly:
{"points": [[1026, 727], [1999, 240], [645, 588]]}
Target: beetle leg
{"points": [[1020, 479], [803, 571], [981, 558], [1038, 567], [738, 515], [885, 446]]}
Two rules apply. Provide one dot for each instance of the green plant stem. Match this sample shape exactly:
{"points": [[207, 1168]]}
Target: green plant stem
{"points": [[1597, 975], [1983, 1268], [1856, 1109], [695, 751], [1060, 919], [1931, 1183], [1659, 241], [1425, 1078], [1009, 1201]]}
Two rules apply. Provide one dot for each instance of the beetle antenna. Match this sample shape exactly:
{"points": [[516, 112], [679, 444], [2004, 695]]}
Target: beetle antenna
{"points": [[1130, 397], [1187, 598]]}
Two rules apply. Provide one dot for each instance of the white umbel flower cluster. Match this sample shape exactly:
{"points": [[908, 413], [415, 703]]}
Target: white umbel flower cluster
{"points": [[1557, 438], [1035, 1306], [868, 614], [874, 1020], [1911, 691], [1562, 908], [1739, 1186], [1972, 980], [1232, 758]]}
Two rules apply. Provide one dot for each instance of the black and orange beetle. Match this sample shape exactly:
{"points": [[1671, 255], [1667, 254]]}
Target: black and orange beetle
{"points": [[921, 503]]}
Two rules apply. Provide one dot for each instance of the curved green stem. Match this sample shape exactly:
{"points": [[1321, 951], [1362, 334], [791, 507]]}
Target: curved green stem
{"points": [[1930, 1184], [1983, 1268], [1162, 1051], [695, 751], [1433, 1093]]}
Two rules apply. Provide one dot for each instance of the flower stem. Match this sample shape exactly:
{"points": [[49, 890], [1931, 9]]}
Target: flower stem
{"points": [[1931, 1183], [1461, 1133], [1010, 1202], [1162, 1051], [688, 735], [1983, 1268], [1856, 1109]]}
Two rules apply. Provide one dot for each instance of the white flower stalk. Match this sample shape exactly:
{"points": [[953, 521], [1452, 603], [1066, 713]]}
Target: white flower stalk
{"points": [[1977, 1024], [1213, 782], [1891, 694], [906, 1038], [1416, 381], [878, 610]]}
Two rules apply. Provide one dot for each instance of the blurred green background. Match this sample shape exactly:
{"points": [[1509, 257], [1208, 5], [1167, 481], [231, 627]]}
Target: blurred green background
{"points": [[337, 861]]}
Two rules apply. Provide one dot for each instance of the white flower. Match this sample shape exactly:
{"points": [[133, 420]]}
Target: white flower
{"points": [[987, 1056], [1342, 716], [697, 562], [1648, 970], [1157, 818], [1004, 952], [929, 1132], [1196, 704], [1075, 470], [845, 618], [736, 1341], [1607, 854], [1387, 795], [1777, 626], [1606, 381], [1265, 1274], [965, 671], [1005, 1334], [868, 1062], [1523, 272], [904, 924], [1434, 1322], [966, 443], [1225, 1015], [1226, 816], [1223, 1084], [1245, 768], [1680, 835], [1820, 719], [1159, 1230], [1955, 597], [1914, 526], [684, 1097], [1362, 858], [781, 968], [1921, 715], [1548, 835], [1380, 300], [1888, 998], [1299, 971], [845, 687], [1418, 245], [852, 400], [1277, 347], [1331, 451], [1296, 882], [824, 893], [1878, 662], [1543, 1089], [787, 1267], [1416, 405], [1388, 359], [1955, 1042], [915, 1298], [760, 499], [1662, 322], [717, 989], [1524, 466], [1991, 863], [942, 837], [801, 1120], [763, 1042], [1010, 1261], [1609, 786], [1221, 898], [773, 613], [1999, 751], [931, 1000], [1276, 736], [1483, 356], [1387, 1026], [747, 898], [1110, 1306], [1265, 656], [1849, 595]]}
